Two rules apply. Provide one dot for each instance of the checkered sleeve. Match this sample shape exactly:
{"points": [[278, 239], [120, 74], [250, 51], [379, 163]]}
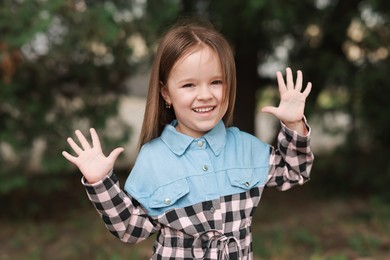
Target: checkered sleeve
{"points": [[122, 215], [291, 162]]}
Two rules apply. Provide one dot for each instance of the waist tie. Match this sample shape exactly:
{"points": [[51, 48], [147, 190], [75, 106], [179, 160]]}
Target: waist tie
{"points": [[222, 244]]}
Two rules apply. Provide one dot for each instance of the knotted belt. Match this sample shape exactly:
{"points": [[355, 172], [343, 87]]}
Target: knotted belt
{"points": [[222, 244]]}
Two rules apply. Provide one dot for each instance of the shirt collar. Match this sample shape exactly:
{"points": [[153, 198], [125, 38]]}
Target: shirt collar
{"points": [[178, 142]]}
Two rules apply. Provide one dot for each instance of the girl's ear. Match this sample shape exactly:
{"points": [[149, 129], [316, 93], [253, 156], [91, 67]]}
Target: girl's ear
{"points": [[165, 93]]}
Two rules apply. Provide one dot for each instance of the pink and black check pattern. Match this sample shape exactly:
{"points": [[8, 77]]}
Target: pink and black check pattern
{"points": [[215, 229]]}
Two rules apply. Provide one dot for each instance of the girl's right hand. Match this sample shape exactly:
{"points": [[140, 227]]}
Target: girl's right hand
{"points": [[91, 161]]}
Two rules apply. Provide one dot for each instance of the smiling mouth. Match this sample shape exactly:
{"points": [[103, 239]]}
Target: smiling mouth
{"points": [[203, 109]]}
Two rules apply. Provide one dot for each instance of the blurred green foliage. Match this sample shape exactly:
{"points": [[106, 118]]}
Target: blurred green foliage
{"points": [[63, 65]]}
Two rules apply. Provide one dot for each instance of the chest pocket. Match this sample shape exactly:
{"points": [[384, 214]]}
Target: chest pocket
{"points": [[248, 178], [167, 195]]}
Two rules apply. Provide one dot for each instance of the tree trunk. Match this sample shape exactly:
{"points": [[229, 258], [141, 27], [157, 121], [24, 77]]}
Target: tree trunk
{"points": [[247, 84]]}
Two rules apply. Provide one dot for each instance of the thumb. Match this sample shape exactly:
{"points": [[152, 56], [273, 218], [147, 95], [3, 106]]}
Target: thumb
{"points": [[270, 110], [69, 157], [114, 154]]}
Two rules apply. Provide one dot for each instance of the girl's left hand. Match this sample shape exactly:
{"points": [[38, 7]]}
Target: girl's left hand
{"points": [[292, 100]]}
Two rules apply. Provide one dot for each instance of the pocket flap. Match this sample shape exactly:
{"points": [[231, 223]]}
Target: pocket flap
{"points": [[167, 195], [248, 178]]}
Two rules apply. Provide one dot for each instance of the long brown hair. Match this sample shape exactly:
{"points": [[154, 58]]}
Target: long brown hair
{"points": [[178, 41]]}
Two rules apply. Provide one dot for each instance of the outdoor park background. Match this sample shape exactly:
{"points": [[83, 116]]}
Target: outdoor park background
{"points": [[74, 64]]}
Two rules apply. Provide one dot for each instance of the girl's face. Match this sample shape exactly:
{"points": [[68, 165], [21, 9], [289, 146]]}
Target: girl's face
{"points": [[195, 88]]}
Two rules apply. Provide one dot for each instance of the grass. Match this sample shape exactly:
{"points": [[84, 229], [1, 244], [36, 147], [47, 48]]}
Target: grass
{"points": [[296, 224]]}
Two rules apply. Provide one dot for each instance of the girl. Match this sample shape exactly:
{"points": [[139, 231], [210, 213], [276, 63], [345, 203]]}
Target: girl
{"points": [[196, 182]]}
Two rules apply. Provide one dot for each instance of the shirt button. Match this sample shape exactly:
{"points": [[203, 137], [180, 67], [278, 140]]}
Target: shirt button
{"points": [[200, 143], [247, 184], [167, 201], [212, 209], [205, 168]]}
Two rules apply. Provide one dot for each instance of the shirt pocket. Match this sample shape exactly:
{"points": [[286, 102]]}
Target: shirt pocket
{"points": [[248, 178], [167, 195]]}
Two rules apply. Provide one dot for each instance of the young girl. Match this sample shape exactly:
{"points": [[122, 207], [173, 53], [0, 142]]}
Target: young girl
{"points": [[196, 181]]}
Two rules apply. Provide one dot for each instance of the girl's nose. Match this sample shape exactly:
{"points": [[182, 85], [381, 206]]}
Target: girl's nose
{"points": [[204, 92]]}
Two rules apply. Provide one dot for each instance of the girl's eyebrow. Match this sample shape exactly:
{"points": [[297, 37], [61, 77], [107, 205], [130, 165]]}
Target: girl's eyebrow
{"points": [[185, 80], [216, 76]]}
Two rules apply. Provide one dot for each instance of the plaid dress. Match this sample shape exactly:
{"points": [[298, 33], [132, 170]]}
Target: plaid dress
{"points": [[197, 210]]}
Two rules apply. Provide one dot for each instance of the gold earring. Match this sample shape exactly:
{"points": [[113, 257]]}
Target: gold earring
{"points": [[167, 105]]}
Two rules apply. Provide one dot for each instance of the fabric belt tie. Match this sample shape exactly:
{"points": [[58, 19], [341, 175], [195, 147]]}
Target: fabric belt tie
{"points": [[222, 244]]}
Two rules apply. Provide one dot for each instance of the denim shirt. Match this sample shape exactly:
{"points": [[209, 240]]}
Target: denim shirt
{"points": [[176, 171]]}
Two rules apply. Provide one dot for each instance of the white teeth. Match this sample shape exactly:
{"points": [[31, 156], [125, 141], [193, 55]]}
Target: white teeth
{"points": [[203, 109]]}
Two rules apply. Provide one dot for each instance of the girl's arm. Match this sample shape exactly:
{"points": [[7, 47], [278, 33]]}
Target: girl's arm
{"points": [[122, 216], [291, 162]]}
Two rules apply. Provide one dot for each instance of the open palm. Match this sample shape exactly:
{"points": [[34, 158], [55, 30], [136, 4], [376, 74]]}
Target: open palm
{"points": [[91, 161], [292, 100]]}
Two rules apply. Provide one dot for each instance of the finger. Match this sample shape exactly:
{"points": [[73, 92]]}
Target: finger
{"points": [[298, 83], [74, 146], [114, 154], [307, 90], [69, 157], [289, 79], [269, 110], [281, 84], [95, 138], [83, 140]]}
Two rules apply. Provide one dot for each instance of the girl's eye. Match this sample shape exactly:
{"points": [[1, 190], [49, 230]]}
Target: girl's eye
{"points": [[216, 82], [189, 85]]}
